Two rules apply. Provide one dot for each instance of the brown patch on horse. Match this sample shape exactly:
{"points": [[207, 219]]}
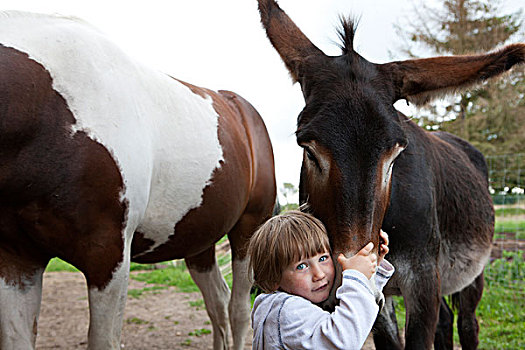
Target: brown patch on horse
{"points": [[239, 186], [59, 192], [202, 92]]}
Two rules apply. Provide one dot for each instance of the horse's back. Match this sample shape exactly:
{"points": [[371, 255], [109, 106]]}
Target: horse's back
{"points": [[263, 169]]}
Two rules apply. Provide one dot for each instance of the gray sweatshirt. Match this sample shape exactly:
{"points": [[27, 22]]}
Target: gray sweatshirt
{"points": [[284, 321]]}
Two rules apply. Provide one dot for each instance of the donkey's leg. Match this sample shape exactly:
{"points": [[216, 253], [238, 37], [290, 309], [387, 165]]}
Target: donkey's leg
{"points": [[422, 301], [106, 308], [468, 327], [239, 307], [386, 331], [444, 331], [20, 297], [205, 272]]}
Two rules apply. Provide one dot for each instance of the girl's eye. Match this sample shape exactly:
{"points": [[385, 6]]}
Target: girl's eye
{"points": [[301, 266], [324, 258]]}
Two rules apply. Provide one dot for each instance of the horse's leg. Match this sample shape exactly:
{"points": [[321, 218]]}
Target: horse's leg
{"points": [[21, 268], [107, 302], [20, 297], [422, 301], [444, 331], [468, 328], [106, 309], [205, 272], [239, 307], [385, 331]]}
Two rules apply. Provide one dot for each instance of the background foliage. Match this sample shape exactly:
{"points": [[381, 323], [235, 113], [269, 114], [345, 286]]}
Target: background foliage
{"points": [[491, 117]]}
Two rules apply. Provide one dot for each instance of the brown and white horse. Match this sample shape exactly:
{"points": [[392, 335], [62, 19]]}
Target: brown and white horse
{"points": [[103, 161], [366, 167]]}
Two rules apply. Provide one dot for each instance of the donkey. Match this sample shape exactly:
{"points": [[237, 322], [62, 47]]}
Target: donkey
{"points": [[366, 166], [103, 161]]}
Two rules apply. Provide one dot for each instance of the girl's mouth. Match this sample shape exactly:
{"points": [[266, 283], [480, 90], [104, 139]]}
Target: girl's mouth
{"points": [[320, 289]]}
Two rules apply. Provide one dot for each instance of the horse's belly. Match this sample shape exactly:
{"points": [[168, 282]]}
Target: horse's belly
{"points": [[167, 207]]}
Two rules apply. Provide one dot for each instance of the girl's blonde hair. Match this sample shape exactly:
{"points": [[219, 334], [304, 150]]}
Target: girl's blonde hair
{"points": [[282, 240]]}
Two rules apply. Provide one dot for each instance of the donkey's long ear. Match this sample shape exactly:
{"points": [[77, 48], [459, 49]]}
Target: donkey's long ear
{"points": [[422, 80], [291, 44]]}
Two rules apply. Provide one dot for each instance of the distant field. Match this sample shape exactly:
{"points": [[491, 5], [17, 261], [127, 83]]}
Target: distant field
{"points": [[501, 211], [510, 218]]}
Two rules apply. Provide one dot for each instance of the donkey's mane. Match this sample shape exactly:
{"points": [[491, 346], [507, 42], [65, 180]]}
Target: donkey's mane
{"points": [[346, 33]]}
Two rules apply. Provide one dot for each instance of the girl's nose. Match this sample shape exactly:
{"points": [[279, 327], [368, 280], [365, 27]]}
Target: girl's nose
{"points": [[318, 273]]}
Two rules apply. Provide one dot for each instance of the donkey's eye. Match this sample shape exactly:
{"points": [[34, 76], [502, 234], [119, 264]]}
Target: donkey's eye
{"points": [[309, 154], [311, 157]]}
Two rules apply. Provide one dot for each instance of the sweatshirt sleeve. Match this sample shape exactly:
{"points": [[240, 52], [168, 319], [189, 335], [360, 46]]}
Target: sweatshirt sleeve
{"points": [[384, 271], [303, 325]]}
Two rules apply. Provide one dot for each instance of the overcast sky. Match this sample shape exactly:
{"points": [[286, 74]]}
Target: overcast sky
{"points": [[220, 44]]}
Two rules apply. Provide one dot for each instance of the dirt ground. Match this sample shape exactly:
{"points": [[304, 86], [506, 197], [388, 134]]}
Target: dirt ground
{"points": [[160, 319]]}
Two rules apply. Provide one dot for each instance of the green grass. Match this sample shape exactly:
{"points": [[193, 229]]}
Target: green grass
{"points": [[224, 259], [200, 332], [186, 342], [197, 303], [168, 275], [501, 312], [147, 267], [137, 293], [510, 219], [510, 226], [509, 211], [136, 320], [57, 265], [177, 276]]}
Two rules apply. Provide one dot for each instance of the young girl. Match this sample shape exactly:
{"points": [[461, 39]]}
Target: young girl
{"points": [[290, 259]]}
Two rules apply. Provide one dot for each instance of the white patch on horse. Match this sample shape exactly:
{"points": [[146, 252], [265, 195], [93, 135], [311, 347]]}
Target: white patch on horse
{"points": [[106, 308], [20, 307], [150, 123]]}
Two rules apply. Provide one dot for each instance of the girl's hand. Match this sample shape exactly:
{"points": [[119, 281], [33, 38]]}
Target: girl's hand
{"points": [[364, 261], [383, 246]]}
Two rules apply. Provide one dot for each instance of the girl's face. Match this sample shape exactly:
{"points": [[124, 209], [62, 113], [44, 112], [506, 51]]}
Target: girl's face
{"points": [[310, 278]]}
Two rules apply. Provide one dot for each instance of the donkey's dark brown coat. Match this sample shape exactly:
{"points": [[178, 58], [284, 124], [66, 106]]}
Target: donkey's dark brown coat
{"points": [[366, 166]]}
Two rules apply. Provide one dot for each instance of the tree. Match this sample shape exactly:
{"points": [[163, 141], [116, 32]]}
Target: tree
{"points": [[288, 190], [492, 116]]}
